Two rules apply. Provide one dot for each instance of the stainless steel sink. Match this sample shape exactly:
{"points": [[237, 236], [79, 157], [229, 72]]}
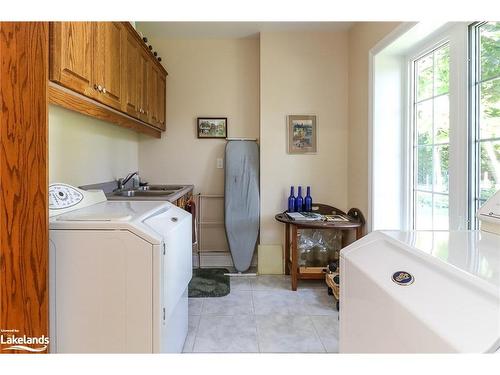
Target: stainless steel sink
{"points": [[145, 193], [161, 187], [149, 193]]}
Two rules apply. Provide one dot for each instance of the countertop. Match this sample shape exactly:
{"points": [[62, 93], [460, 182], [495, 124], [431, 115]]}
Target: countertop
{"points": [[170, 198], [108, 188]]}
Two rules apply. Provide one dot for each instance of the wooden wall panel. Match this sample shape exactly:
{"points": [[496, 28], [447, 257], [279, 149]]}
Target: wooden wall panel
{"points": [[23, 179]]}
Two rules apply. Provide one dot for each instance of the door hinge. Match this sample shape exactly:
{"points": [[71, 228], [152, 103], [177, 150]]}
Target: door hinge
{"points": [[164, 249], [163, 314]]}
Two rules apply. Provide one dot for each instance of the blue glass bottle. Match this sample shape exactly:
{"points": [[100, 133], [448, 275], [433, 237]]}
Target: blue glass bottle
{"points": [[291, 201], [299, 201], [308, 201]]}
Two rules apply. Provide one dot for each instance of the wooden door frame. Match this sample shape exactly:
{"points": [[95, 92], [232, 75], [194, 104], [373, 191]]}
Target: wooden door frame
{"points": [[24, 235]]}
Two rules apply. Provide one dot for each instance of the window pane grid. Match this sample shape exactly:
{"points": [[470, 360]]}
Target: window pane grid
{"points": [[485, 119], [431, 139], [430, 191], [487, 139], [431, 97], [447, 143], [486, 80]]}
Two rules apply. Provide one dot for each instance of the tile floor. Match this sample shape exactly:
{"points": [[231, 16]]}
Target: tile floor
{"points": [[262, 314]]}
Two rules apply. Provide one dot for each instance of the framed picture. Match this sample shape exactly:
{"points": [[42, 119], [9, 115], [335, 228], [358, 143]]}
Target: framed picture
{"points": [[212, 127], [302, 134]]}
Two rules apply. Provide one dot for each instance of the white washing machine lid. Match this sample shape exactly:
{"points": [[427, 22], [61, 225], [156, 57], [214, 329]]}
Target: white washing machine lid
{"points": [[111, 211], [116, 215], [475, 252], [132, 216], [454, 287]]}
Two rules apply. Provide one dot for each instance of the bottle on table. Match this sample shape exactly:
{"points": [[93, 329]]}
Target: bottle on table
{"points": [[291, 200], [308, 200], [299, 201]]}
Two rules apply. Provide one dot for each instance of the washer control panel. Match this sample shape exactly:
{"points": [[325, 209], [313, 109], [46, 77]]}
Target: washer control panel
{"points": [[63, 196]]}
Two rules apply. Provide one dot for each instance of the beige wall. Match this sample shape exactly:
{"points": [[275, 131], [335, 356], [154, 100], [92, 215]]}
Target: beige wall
{"points": [[302, 73], [207, 77], [83, 150], [363, 36]]}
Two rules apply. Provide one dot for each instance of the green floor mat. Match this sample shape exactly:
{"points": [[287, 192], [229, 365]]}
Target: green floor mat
{"points": [[209, 282]]}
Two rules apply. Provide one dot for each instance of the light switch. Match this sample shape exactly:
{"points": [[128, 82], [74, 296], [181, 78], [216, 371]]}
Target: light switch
{"points": [[220, 163]]}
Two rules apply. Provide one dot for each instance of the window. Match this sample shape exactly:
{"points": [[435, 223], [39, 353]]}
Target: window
{"points": [[431, 140], [485, 112], [438, 162]]}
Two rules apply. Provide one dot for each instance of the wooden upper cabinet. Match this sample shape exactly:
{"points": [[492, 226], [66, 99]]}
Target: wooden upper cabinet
{"points": [[135, 79], [131, 77], [108, 62], [142, 87], [153, 77], [156, 96], [162, 91], [71, 53]]}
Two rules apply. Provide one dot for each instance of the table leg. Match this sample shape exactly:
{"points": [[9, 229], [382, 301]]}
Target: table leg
{"points": [[294, 258], [359, 232], [287, 249]]}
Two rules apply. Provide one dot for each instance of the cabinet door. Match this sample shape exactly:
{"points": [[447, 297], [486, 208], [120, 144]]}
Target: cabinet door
{"points": [[71, 53], [153, 78], [161, 89], [142, 85], [131, 76], [108, 47]]}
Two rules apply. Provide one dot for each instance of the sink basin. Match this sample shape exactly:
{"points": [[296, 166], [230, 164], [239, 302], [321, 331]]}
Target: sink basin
{"points": [[145, 193], [161, 187]]}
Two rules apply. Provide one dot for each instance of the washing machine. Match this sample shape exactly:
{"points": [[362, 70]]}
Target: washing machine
{"points": [[423, 291], [119, 273]]}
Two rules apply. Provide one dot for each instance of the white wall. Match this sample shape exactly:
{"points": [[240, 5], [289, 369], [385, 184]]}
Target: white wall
{"points": [[302, 73], [83, 150], [363, 36], [207, 77], [389, 151]]}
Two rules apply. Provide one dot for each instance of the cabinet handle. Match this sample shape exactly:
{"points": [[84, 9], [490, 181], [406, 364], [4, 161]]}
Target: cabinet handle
{"points": [[99, 88], [95, 87], [104, 90]]}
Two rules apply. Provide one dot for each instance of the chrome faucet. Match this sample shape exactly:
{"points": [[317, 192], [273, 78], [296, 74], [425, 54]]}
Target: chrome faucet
{"points": [[122, 181]]}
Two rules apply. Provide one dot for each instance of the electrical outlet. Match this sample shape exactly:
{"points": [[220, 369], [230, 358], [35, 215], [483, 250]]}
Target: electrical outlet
{"points": [[220, 163]]}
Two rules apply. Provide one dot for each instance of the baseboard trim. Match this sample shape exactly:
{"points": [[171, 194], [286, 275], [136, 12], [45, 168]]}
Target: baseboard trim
{"points": [[217, 259]]}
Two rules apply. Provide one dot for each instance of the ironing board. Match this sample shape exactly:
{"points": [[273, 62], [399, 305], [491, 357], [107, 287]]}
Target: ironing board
{"points": [[241, 200]]}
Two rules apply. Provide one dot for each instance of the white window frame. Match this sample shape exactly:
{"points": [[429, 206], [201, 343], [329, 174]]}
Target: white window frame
{"points": [[456, 36], [406, 42], [474, 104]]}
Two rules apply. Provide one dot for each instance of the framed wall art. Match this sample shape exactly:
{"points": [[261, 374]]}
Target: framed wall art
{"points": [[302, 134], [212, 127]]}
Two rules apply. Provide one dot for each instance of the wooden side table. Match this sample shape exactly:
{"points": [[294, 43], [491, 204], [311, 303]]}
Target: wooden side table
{"points": [[356, 223]]}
